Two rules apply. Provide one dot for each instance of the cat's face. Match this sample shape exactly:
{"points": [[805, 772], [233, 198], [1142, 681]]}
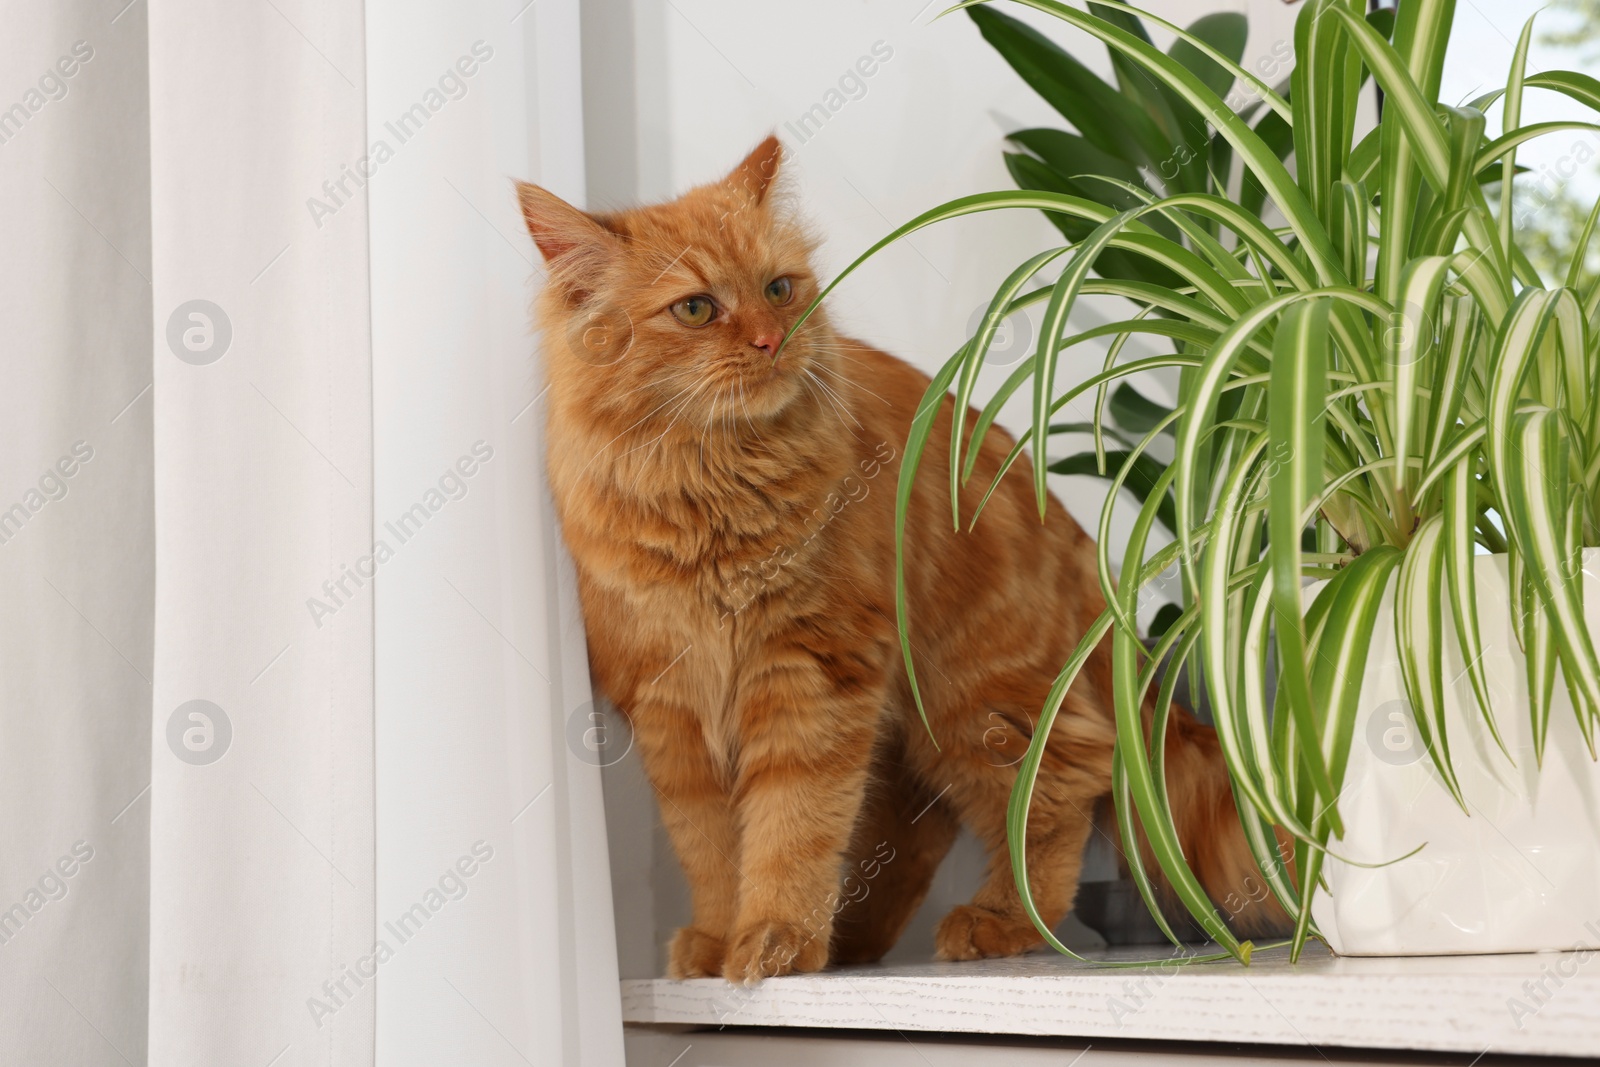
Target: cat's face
{"points": [[681, 309]]}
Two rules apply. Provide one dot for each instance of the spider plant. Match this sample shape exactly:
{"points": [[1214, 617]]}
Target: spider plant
{"points": [[1372, 393], [1138, 131]]}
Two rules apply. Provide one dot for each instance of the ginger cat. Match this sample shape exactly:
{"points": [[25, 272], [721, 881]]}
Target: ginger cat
{"points": [[732, 521]]}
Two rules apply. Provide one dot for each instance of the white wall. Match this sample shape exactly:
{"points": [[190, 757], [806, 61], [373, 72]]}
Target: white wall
{"points": [[677, 91]]}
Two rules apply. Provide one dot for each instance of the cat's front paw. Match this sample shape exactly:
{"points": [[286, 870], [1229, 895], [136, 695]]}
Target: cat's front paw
{"points": [[694, 954], [770, 949], [973, 933]]}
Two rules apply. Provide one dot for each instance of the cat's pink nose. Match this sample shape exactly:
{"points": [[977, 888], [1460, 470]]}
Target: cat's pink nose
{"points": [[768, 342]]}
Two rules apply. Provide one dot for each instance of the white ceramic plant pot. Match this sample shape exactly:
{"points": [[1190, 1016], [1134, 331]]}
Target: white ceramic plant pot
{"points": [[1522, 872]]}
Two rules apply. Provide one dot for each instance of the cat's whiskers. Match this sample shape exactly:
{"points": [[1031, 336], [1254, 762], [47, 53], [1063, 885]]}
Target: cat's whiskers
{"points": [[844, 379], [747, 417], [671, 379], [606, 447], [821, 392], [729, 421], [713, 419], [835, 399], [844, 352], [674, 406], [651, 446], [710, 416]]}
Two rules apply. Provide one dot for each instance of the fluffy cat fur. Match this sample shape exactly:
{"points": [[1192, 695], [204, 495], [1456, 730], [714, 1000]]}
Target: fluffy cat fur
{"points": [[732, 520]]}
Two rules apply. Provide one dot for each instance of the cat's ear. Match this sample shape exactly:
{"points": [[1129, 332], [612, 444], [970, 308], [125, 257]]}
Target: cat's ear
{"points": [[564, 234], [753, 177]]}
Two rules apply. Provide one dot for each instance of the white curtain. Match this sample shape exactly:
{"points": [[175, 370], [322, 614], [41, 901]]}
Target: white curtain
{"points": [[76, 535], [480, 654], [283, 555]]}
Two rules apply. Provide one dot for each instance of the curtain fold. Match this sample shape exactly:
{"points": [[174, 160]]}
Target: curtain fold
{"points": [[262, 846], [292, 646], [76, 534], [480, 657]]}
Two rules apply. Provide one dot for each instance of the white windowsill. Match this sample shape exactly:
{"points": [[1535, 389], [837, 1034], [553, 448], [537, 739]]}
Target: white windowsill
{"points": [[1440, 1003]]}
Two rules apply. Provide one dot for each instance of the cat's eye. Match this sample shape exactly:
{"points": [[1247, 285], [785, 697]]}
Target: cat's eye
{"points": [[694, 310], [779, 291]]}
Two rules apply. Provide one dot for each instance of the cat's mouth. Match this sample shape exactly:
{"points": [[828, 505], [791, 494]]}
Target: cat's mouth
{"points": [[757, 369], [762, 387]]}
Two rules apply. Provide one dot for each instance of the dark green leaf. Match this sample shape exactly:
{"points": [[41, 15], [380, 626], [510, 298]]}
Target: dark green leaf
{"points": [[1075, 161], [1166, 615], [1101, 114], [1030, 173], [1382, 20], [1135, 412], [1134, 81], [1141, 479], [1226, 32], [1279, 137], [1073, 155]]}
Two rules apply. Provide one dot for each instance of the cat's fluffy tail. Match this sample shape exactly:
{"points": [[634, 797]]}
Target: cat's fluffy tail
{"points": [[1208, 827]]}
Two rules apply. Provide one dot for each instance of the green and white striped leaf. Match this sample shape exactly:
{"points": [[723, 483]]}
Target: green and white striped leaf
{"points": [[1460, 516], [1539, 483], [1297, 396], [1419, 632]]}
